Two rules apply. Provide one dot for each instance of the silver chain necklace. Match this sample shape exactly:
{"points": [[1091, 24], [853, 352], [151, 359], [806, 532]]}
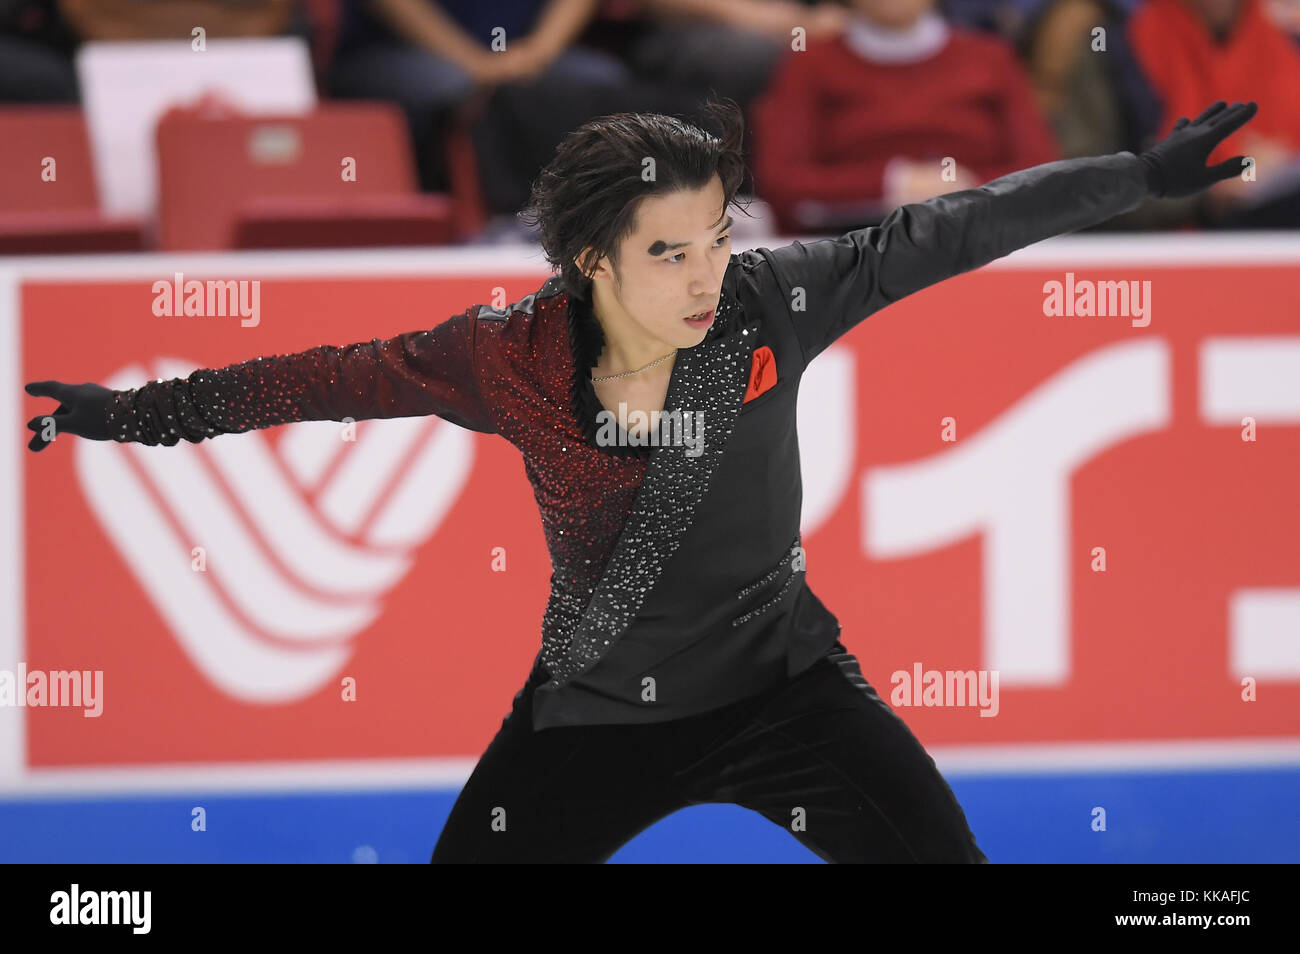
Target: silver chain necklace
{"points": [[624, 374]]}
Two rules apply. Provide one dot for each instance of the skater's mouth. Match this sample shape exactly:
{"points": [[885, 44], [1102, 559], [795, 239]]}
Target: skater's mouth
{"points": [[700, 318]]}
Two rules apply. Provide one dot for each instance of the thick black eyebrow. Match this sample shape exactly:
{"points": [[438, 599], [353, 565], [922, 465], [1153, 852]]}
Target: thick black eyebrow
{"points": [[659, 247]]}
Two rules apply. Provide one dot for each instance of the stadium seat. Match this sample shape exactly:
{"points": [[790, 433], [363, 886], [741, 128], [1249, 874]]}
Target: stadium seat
{"points": [[48, 199], [228, 180]]}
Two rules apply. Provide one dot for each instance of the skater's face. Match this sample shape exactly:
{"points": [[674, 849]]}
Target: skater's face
{"points": [[671, 266]]}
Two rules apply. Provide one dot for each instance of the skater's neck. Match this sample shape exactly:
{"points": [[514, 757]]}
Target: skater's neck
{"points": [[628, 346]]}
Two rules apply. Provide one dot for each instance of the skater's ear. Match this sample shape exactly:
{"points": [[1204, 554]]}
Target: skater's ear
{"points": [[591, 263]]}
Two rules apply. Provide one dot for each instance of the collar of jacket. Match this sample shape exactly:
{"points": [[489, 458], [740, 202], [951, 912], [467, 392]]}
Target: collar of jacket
{"points": [[710, 377], [587, 341]]}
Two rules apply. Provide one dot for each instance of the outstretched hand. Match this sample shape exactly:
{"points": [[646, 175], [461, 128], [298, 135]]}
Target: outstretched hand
{"points": [[82, 410], [1176, 165]]}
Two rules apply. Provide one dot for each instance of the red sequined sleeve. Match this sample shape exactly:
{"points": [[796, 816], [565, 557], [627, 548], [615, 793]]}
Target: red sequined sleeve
{"points": [[412, 374]]}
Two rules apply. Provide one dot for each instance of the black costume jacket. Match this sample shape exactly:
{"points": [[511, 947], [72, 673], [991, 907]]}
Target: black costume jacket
{"points": [[678, 576]]}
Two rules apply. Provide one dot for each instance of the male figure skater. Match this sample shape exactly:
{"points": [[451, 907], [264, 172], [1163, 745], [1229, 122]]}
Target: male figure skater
{"points": [[684, 659]]}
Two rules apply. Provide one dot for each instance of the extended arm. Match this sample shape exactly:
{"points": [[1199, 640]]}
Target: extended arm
{"points": [[412, 374], [831, 285]]}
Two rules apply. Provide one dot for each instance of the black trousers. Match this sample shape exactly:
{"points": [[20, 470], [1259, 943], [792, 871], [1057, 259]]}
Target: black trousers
{"points": [[821, 755]]}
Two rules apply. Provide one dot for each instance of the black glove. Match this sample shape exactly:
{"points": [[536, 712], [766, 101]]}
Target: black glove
{"points": [[1176, 165], [83, 410]]}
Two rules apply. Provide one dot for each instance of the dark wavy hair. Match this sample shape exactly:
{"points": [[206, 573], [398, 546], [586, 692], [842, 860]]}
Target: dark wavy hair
{"points": [[587, 196]]}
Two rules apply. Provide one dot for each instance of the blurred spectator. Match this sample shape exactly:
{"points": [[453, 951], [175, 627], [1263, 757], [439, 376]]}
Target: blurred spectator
{"points": [[564, 62], [36, 53], [1094, 94], [431, 57], [1198, 51], [901, 108], [675, 44], [680, 41], [1007, 18], [175, 19], [323, 19], [1088, 82]]}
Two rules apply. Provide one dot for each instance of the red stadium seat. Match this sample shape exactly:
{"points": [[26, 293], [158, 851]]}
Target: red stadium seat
{"points": [[48, 200], [228, 180]]}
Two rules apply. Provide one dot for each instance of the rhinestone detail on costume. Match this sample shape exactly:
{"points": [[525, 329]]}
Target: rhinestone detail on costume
{"points": [[765, 579], [711, 377]]}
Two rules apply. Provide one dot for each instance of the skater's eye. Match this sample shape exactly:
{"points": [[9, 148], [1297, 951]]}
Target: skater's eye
{"points": [[720, 238]]}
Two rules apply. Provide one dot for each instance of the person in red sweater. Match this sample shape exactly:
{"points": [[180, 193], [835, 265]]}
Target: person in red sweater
{"points": [[1189, 47], [899, 108]]}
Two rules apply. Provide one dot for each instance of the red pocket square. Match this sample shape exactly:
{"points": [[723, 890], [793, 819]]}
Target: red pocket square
{"points": [[762, 373]]}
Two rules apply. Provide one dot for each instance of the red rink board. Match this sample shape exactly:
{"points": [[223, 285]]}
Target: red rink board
{"points": [[1188, 513]]}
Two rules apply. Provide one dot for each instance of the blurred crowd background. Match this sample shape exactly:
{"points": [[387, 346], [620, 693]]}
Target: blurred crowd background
{"points": [[854, 122]]}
